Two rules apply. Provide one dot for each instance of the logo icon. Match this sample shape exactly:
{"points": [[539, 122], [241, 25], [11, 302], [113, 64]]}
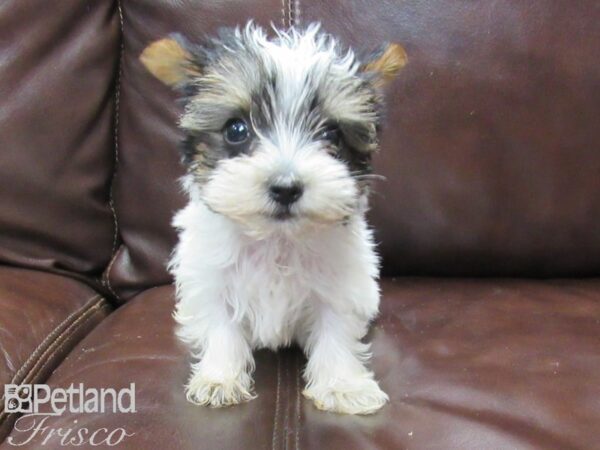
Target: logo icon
{"points": [[18, 398]]}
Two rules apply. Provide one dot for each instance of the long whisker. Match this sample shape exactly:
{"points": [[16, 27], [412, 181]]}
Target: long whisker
{"points": [[370, 176]]}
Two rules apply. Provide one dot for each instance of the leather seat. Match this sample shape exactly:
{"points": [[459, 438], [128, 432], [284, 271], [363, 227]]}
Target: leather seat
{"points": [[43, 317], [467, 364]]}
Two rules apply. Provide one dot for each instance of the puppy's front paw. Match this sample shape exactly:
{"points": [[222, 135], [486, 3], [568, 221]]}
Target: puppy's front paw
{"points": [[355, 396], [216, 393]]}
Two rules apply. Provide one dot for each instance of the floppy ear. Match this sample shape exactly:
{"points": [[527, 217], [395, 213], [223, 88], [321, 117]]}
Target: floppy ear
{"points": [[169, 61], [386, 65]]}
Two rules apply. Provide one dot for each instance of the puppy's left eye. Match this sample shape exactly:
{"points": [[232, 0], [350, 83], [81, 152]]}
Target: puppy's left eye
{"points": [[330, 133], [236, 131]]}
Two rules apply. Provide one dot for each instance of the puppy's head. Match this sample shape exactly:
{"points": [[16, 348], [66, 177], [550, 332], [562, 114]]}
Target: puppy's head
{"points": [[279, 132]]}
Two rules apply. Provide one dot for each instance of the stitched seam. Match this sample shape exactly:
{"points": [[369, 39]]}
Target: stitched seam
{"points": [[276, 418], [296, 12], [84, 316], [116, 132], [62, 341], [57, 334], [283, 13], [109, 269], [111, 201], [298, 418], [52, 335], [284, 432], [290, 19]]}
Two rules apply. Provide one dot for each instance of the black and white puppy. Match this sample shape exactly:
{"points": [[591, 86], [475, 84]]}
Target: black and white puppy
{"points": [[273, 244]]}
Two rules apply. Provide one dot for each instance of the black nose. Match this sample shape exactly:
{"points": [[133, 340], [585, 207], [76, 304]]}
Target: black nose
{"points": [[285, 194]]}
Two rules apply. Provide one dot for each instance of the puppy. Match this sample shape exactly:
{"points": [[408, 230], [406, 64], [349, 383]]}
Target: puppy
{"points": [[273, 244]]}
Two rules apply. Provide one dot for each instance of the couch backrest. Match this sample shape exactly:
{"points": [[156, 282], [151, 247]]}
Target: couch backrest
{"points": [[490, 146], [57, 65]]}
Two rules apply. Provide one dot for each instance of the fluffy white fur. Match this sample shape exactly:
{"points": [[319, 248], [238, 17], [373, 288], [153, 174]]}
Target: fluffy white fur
{"points": [[237, 293], [247, 280]]}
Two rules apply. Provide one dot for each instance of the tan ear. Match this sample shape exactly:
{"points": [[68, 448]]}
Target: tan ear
{"points": [[388, 64], [168, 61]]}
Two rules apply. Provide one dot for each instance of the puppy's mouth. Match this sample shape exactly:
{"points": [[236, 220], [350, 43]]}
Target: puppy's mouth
{"points": [[286, 215], [283, 214]]}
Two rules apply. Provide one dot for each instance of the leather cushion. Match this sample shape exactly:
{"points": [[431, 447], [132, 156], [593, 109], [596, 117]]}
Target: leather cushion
{"points": [[468, 364], [58, 61], [42, 317], [136, 344]]}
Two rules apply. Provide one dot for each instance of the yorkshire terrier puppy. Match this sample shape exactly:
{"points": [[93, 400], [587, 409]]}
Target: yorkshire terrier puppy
{"points": [[273, 244]]}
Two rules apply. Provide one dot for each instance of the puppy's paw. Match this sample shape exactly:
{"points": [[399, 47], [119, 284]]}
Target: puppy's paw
{"points": [[355, 396], [216, 393]]}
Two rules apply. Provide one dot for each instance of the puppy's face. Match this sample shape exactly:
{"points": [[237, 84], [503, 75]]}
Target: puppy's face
{"points": [[280, 132]]}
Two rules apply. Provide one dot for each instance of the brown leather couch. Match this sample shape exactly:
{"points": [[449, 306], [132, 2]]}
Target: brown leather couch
{"points": [[488, 223]]}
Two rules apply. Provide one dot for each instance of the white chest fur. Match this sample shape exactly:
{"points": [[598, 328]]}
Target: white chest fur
{"points": [[271, 290], [272, 285]]}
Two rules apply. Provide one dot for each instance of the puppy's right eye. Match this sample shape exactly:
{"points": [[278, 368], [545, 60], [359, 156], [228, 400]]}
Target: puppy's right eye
{"points": [[236, 131], [331, 134]]}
